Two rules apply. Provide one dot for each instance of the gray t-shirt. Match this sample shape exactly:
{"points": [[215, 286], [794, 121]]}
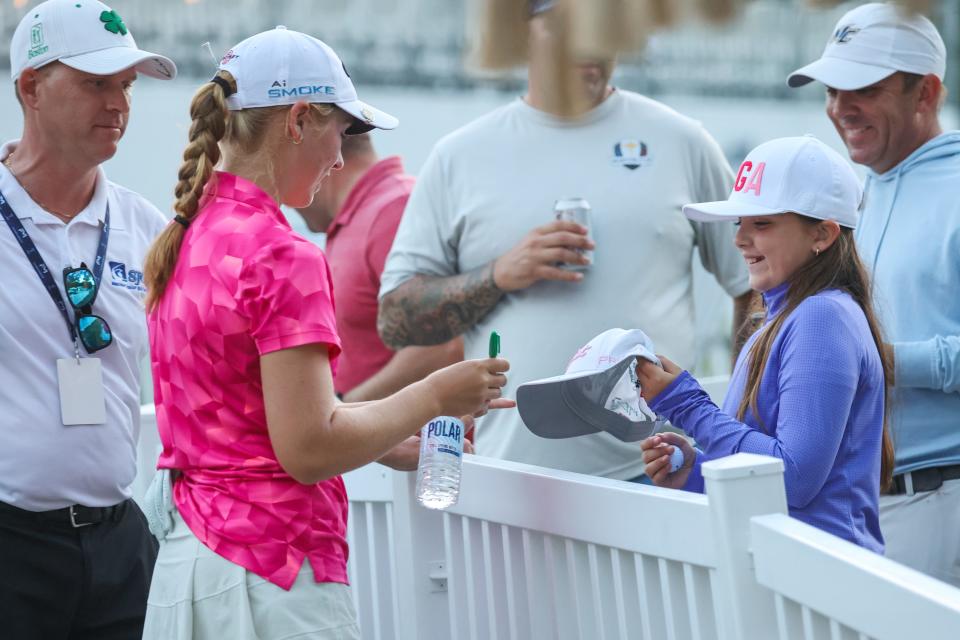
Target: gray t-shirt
{"points": [[636, 161]]}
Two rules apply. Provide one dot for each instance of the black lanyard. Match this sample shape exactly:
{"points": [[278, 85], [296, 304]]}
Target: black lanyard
{"points": [[33, 255]]}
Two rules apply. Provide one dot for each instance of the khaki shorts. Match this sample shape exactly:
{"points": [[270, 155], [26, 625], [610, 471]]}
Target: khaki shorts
{"points": [[197, 594]]}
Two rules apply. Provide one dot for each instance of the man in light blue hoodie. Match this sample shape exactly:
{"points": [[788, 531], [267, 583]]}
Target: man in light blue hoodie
{"points": [[883, 71]]}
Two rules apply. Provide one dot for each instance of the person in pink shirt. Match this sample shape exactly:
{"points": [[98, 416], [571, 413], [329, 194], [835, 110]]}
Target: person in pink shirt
{"points": [[244, 346], [359, 209]]}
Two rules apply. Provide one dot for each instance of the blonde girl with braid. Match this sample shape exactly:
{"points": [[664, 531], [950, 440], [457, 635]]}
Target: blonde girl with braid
{"points": [[243, 347], [810, 385]]}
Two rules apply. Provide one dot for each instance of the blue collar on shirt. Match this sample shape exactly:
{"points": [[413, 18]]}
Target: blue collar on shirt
{"points": [[775, 299]]}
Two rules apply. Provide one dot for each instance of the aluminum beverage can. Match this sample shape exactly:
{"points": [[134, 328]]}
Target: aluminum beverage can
{"points": [[576, 210]]}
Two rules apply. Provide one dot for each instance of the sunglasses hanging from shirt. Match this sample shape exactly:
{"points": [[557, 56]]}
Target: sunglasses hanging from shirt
{"points": [[81, 284]]}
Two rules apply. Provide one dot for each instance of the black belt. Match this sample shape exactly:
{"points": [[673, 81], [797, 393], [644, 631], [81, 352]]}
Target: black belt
{"points": [[74, 516], [929, 479]]}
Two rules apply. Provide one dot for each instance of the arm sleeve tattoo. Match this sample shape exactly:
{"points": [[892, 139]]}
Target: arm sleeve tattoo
{"points": [[428, 310]]}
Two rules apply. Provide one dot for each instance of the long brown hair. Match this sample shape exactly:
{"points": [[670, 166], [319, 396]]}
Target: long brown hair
{"points": [[213, 122], [837, 267]]}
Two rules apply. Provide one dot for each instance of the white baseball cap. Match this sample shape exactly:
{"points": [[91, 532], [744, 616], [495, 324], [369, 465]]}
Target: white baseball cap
{"points": [[872, 42], [598, 392], [84, 34], [282, 66], [789, 175]]}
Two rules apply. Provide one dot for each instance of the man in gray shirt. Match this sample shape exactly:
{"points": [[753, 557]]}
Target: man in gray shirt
{"points": [[477, 249]]}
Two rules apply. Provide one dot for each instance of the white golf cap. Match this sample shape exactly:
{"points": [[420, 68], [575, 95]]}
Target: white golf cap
{"points": [[872, 42], [282, 66], [84, 34], [598, 392], [789, 175]]}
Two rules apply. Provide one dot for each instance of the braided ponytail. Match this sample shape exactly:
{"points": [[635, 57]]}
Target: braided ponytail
{"points": [[209, 113]]}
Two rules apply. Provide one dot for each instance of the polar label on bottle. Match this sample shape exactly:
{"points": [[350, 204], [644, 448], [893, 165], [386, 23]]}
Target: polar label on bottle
{"points": [[447, 435]]}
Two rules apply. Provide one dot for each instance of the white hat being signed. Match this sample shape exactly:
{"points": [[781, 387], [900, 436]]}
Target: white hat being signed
{"points": [[598, 392]]}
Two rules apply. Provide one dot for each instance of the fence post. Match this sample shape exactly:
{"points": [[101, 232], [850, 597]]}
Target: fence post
{"points": [[372, 568], [421, 564], [740, 487]]}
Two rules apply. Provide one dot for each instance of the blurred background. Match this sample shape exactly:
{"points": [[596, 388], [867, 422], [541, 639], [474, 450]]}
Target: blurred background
{"points": [[407, 57]]}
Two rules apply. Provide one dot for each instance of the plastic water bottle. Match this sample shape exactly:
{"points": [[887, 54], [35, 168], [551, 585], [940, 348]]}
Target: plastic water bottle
{"points": [[441, 456]]}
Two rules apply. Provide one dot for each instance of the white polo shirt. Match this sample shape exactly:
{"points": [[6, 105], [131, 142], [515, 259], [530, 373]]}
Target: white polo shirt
{"points": [[43, 464]]}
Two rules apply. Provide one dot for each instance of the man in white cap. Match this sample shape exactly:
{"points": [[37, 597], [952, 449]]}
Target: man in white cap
{"points": [[478, 247], [75, 552], [884, 72]]}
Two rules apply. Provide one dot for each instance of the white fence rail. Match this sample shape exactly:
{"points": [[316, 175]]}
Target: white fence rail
{"points": [[524, 558], [372, 567], [831, 590], [532, 553]]}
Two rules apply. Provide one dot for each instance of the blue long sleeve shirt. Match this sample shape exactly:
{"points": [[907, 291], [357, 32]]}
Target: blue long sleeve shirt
{"points": [[909, 238], [821, 403]]}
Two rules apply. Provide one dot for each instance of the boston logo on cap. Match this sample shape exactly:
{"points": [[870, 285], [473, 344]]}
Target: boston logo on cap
{"points": [[37, 45]]}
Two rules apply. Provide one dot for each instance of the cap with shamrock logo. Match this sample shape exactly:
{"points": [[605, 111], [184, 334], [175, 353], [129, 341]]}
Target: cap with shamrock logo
{"points": [[84, 34]]}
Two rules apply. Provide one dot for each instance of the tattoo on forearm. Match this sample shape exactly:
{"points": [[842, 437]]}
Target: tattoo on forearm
{"points": [[428, 310]]}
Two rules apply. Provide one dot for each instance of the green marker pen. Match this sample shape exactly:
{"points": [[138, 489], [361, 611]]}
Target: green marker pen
{"points": [[494, 344]]}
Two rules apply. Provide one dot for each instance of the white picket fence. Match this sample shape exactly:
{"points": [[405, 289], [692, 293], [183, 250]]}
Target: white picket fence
{"points": [[534, 553]]}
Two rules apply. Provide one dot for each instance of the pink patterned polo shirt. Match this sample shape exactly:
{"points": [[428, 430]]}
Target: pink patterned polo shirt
{"points": [[244, 285]]}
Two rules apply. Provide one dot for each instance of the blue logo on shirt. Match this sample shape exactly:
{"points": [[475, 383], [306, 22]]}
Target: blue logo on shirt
{"points": [[120, 276]]}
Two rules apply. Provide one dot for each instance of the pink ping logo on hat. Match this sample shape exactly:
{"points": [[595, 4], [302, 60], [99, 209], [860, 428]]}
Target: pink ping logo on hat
{"points": [[581, 353], [748, 178]]}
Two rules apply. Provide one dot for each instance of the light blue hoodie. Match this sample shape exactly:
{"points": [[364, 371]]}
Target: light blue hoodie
{"points": [[909, 238]]}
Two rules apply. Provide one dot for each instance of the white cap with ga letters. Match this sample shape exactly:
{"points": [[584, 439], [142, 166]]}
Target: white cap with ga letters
{"points": [[789, 175]]}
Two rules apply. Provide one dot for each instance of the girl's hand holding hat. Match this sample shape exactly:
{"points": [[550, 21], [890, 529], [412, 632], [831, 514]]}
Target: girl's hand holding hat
{"points": [[653, 379]]}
